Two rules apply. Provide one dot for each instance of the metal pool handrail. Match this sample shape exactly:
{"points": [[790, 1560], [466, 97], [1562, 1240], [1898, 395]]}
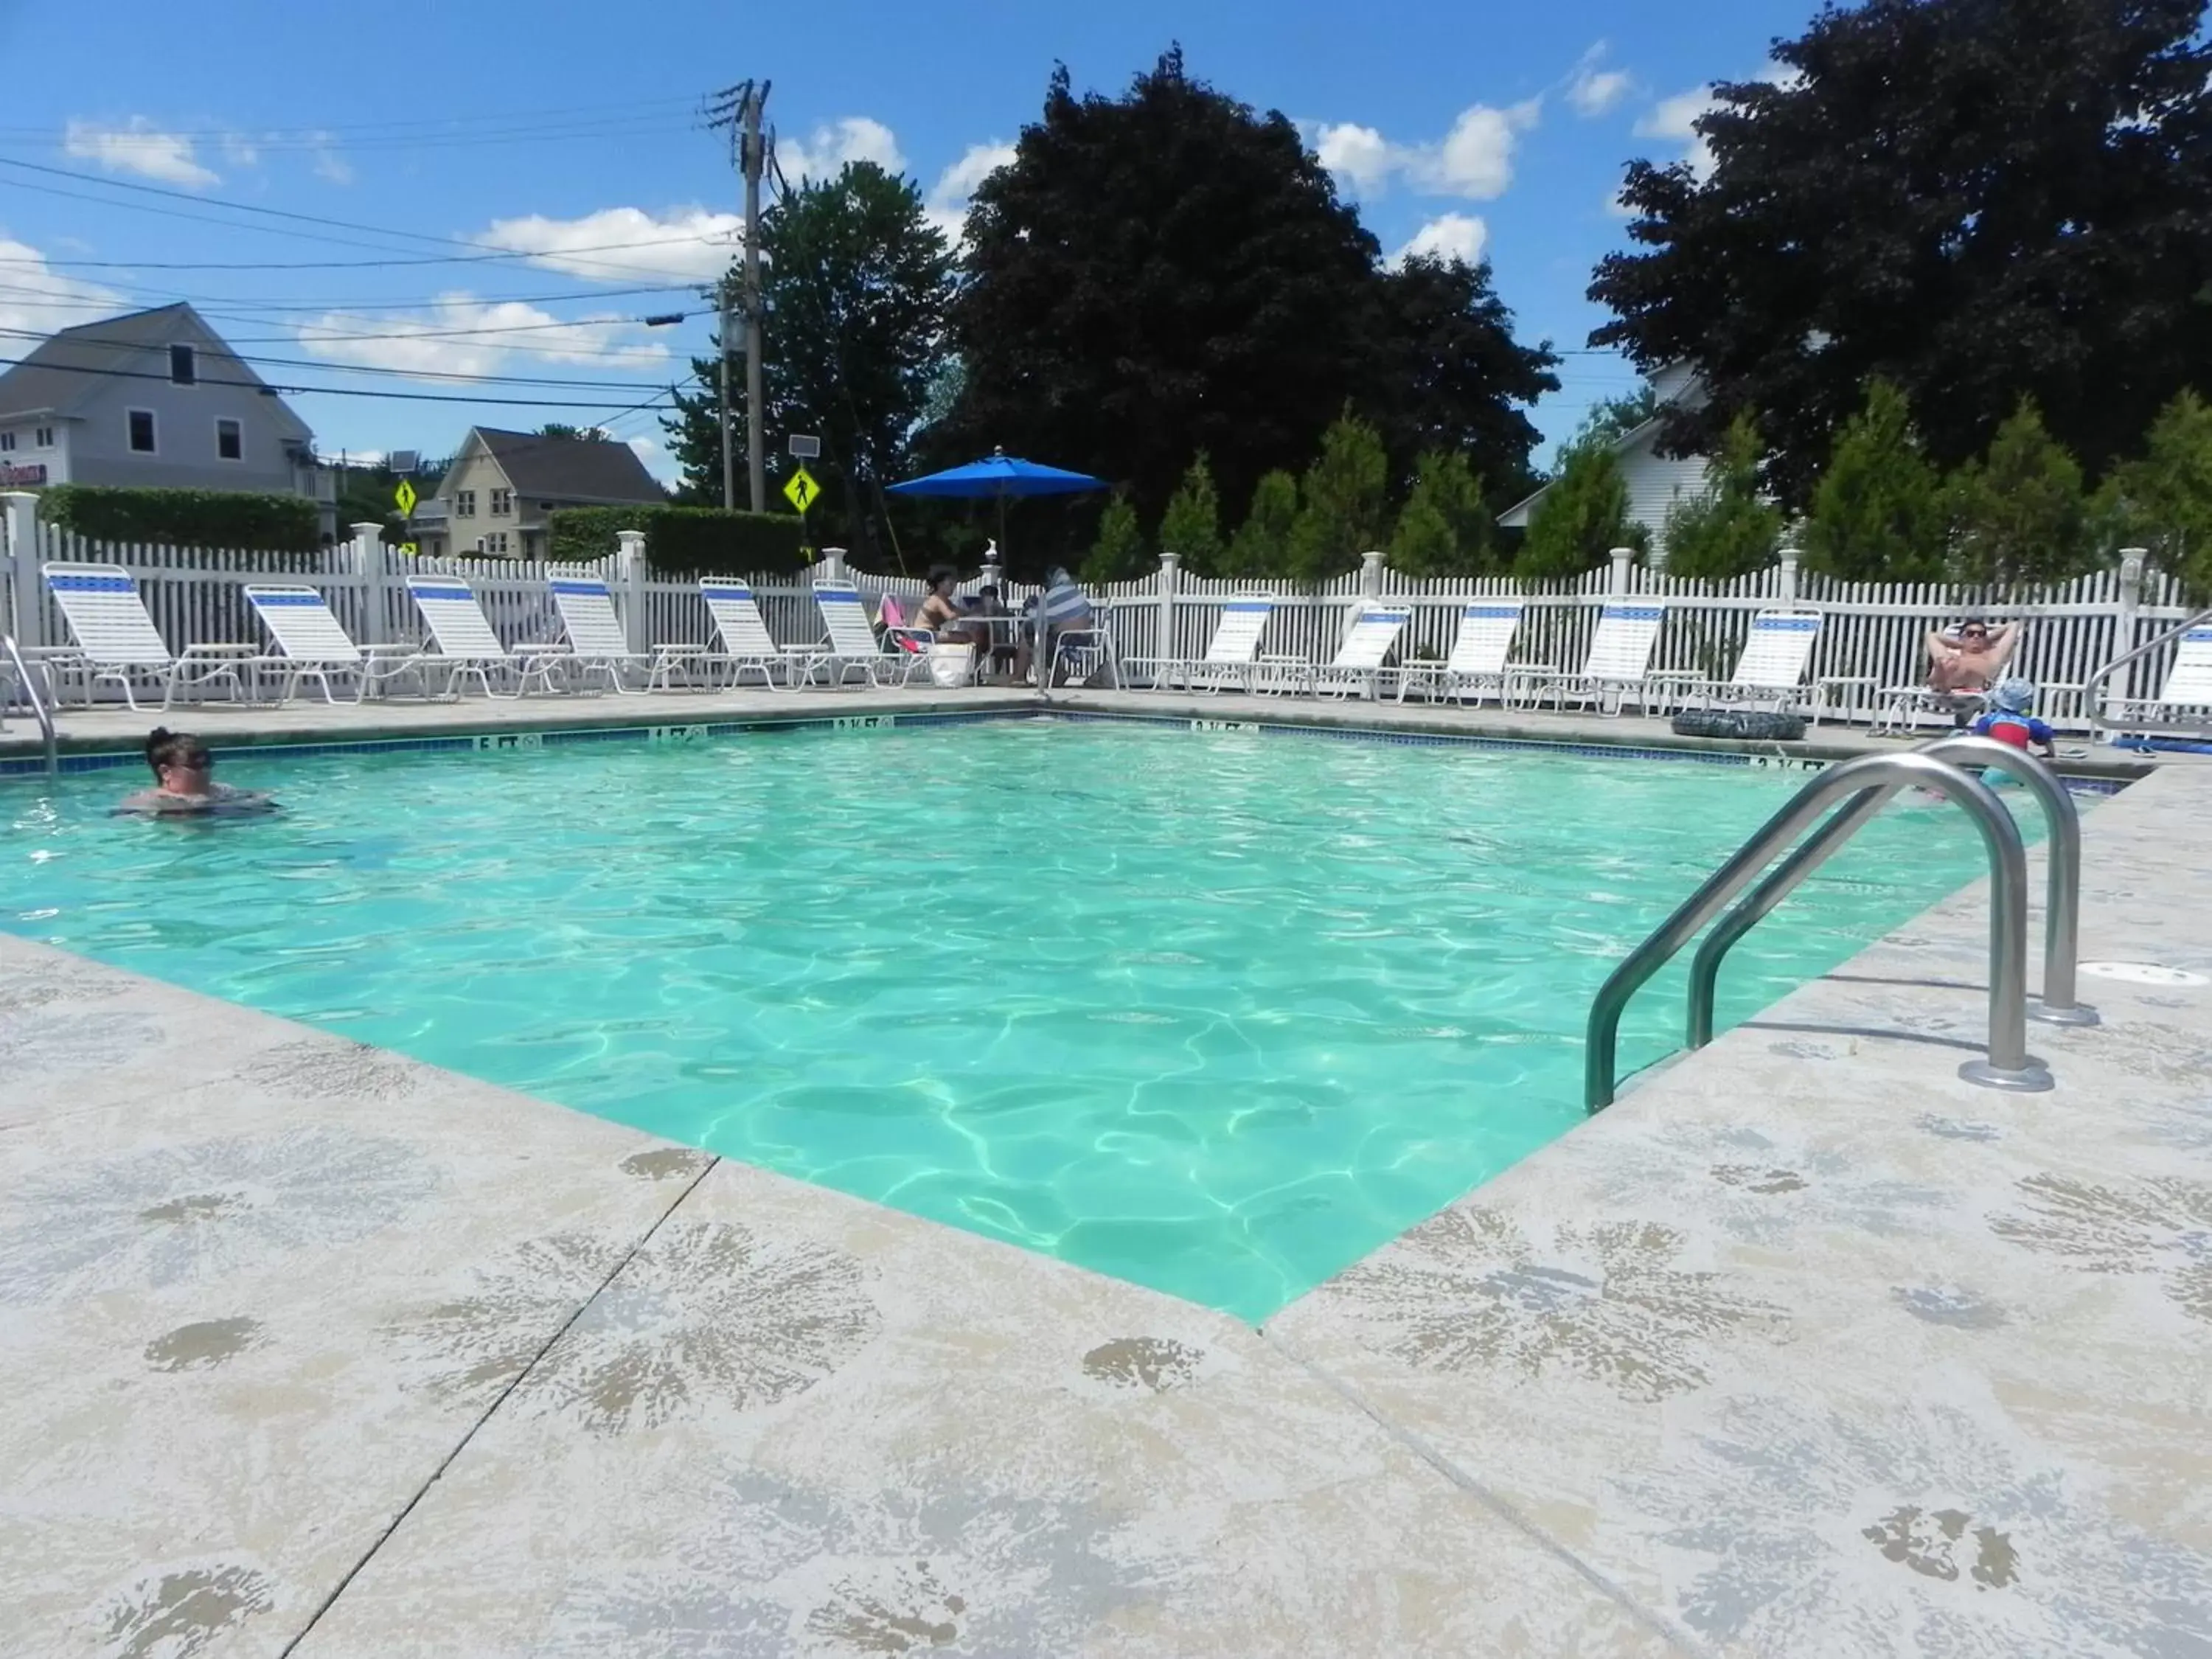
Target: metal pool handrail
{"points": [[2007, 1065], [2090, 701], [39, 709], [2061, 907]]}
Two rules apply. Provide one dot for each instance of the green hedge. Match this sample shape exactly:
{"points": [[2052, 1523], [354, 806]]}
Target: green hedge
{"points": [[685, 541], [184, 518]]}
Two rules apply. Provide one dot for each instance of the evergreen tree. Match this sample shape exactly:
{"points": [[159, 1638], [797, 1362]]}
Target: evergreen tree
{"points": [[1262, 546], [1583, 517], [1341, 502], [1878, 512], [2018, 515], [1192, 524], [1444, 529], [2163, 501], [1119, 554], [1732, 529]]}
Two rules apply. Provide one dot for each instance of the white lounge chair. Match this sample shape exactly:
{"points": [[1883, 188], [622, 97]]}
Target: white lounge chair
{"points": [[1357, 666], [2184, 703], [1230, 656], [1486, 631], [852, 644], [598, 644], [1619, 665], [747, 646], [117, 643], [467, 647], [312, 644], [1772, 668]]}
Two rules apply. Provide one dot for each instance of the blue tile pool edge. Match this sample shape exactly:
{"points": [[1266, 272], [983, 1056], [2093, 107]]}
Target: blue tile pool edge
{"points": [[699, 731]]}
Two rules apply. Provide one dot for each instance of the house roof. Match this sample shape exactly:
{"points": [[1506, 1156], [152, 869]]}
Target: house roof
{"points": [[568, 469], [63, 372], [1517, 515]]}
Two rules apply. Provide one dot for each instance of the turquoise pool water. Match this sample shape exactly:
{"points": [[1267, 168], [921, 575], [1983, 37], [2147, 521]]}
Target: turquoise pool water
{"points": [[1217, 1012]]}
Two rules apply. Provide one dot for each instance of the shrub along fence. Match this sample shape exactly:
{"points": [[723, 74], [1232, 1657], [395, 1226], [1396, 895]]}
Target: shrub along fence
{"points": [[1872, 635]]}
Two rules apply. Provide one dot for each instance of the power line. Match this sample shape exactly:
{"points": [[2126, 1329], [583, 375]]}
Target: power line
{"points": [[687, 101], [476, 249], [409, 373], [67, 302], [329, 391]]}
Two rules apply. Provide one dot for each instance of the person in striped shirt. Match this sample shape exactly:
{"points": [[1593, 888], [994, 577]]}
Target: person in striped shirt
{"points": [[1066, 609]]}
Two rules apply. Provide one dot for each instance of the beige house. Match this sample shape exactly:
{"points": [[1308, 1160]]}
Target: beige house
{"points": [[1657, 483], [496, 496]]}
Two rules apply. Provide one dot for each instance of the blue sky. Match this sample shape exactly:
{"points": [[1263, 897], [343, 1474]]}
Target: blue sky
{"points": [[563, 139]]}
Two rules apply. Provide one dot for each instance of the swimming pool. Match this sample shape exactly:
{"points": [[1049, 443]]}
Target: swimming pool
{"points": [[1219, 1012]]}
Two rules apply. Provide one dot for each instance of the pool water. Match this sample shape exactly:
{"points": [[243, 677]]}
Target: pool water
{"points": [[1219, 1012]]}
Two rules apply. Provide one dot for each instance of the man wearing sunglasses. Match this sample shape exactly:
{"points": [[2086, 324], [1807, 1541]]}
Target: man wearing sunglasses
{"points": [[1968, 661], [183, 781]]}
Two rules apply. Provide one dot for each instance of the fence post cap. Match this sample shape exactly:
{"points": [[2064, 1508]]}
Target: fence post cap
{"points": [[1791, 554], [368, 527], [1167, 557]]}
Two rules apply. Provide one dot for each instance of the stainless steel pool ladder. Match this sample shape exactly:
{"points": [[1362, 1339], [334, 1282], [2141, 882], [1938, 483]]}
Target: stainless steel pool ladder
{"points": [[40, 712], [1871, 783]]}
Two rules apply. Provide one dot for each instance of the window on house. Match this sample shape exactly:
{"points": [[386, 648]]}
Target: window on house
{"points": [[142, 431], [464, 503], [496, 542], [45, 438], [502, 503], [7, 442], [229, 441], [184, 365]]}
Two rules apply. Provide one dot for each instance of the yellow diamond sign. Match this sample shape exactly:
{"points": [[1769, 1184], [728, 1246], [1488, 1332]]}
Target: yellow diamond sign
{"points": [[802, 490], [404, 496]]}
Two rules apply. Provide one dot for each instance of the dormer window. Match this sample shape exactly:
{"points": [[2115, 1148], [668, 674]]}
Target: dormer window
{"points": [[184, 365]]}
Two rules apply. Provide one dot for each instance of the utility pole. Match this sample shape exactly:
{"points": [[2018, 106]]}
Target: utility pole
{"points": [[739, 108]]}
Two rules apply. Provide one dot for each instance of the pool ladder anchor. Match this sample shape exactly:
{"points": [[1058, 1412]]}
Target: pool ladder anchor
{"points": [[19, 675], [1864, 786]]}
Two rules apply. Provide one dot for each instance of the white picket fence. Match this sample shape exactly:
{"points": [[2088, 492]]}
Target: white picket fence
{"points": [[1872, 633]]}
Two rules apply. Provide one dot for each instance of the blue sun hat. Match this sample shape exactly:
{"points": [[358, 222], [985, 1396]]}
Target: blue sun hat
{"points": [[2015, 695]]}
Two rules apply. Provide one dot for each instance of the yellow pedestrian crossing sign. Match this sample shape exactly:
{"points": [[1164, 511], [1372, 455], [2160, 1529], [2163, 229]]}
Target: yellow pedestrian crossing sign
{"points": [[404, 496], [801, 490]]}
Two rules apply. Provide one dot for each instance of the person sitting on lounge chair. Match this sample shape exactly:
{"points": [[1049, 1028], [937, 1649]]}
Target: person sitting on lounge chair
{"points": [[941, 614], [1968, 659]]}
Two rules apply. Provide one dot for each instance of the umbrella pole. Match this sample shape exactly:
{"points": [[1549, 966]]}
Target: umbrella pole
{"points": [[1002, 529]]}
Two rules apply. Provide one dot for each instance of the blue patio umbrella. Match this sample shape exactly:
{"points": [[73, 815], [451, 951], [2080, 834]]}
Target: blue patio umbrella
{"points": [[1000, 475]]}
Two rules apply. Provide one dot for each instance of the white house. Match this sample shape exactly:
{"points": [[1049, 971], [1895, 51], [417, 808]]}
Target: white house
{"points": [[1655, 481], [154, 399]]}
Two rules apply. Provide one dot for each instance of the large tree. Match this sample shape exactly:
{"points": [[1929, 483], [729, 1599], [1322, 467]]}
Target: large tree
{"points": [[1979, 200], [1167, 272], [857, 286]]}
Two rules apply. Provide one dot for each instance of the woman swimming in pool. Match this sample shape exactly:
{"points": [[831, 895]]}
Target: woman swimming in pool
{"points": [[184, 781]]}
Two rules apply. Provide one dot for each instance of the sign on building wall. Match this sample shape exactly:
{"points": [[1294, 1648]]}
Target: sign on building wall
{"points": [[33, 472]]}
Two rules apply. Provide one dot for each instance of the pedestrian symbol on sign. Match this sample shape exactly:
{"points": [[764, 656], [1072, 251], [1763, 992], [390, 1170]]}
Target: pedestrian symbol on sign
{"points": [[801, 490], [404, 496]]}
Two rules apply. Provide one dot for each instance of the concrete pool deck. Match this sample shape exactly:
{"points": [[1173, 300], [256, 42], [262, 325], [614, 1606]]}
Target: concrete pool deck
{"points": [[1804, 1347], [109, 730]]}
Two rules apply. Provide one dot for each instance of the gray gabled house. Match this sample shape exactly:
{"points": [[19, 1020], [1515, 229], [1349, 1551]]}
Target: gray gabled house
{"points": [[153, 399], [497, 494]]}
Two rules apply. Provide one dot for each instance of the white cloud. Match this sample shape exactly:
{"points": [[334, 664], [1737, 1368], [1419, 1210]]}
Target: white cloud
{"points": [[1359, 155], [329, 164], [855, 139], [686, 245], [658, 461], [240, 150], [460, 334], [1594, 91], [1474, 160], [1675, 119], [137, 147], [1454, 236], [34, 300], [948, 201]]}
